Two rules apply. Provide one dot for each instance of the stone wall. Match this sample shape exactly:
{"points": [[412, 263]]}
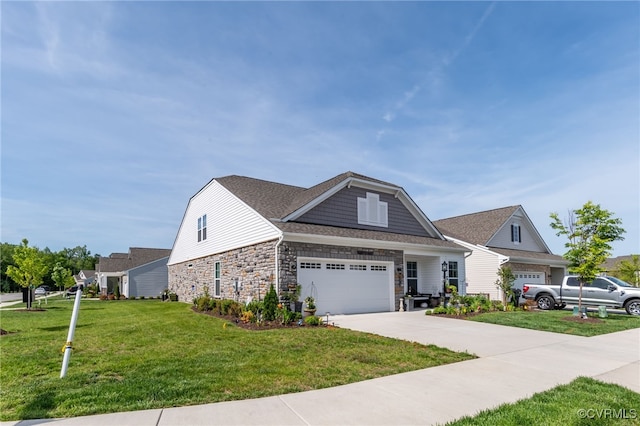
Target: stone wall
{"points": [[253, 267]]}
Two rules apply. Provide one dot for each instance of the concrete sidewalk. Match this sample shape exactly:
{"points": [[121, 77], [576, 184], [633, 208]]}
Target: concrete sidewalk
{"points": [[514, 364]]}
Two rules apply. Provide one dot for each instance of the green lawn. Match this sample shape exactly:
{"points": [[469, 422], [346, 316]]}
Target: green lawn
{"points": [[134, 355], [556, 322], [582, 402]]}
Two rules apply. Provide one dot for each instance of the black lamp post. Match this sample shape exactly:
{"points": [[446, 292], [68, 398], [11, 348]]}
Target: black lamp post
{"points": [[445, 268]]}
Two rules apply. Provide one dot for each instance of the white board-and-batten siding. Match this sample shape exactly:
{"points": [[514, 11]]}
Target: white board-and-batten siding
{"points": [[231, 224]]}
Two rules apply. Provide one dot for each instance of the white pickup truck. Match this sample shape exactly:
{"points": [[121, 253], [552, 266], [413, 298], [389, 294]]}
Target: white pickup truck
{"points": [[603, 291]]}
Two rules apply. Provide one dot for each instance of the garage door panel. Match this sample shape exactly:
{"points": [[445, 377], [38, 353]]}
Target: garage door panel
{"points": [[341, 287]]}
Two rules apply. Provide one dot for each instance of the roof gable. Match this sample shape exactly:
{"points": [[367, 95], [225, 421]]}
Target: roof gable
{"points": [[137, 256], [492, 228]]}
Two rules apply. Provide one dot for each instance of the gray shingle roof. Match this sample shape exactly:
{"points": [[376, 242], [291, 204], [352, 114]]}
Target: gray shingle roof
{"points": [[275, 201], [476, 228], [137, 256], [529, 255]]}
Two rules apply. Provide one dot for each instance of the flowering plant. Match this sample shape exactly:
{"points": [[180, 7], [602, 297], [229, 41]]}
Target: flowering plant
{"points": [[311, 303]]}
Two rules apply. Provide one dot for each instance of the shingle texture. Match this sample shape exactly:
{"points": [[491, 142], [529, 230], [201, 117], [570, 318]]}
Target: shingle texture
{"points": [[275, 201], [476, 228], [137, 256]]}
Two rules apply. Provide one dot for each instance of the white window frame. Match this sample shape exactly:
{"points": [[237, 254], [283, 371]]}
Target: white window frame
{"points": [[217, 276], [372, 211], [202, 228]]}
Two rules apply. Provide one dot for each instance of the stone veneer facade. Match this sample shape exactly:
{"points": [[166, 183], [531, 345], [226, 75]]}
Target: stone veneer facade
{"points": [[253, 267]]}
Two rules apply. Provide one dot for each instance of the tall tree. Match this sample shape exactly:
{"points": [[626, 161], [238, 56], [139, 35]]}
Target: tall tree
{"points": [[590, 230], [79, 258], [6, 259], [29, 267]]}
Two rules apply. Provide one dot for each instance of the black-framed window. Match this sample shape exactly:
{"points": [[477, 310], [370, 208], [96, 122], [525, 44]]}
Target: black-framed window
{"points": [[516, 235]]}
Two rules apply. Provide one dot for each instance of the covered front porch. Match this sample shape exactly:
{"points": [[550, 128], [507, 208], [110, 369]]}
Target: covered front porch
{"points": [[426, 277], [108, 282]]}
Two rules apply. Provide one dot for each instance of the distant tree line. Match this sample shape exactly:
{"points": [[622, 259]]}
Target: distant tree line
{"points": [[22, 265]]}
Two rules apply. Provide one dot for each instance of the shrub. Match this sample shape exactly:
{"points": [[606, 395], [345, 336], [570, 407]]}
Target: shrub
{"points": [[270, 304], [248, 317], [230, 307], [440, 310], [313, 320], [255, 307], [103, 297], [202, 303]]}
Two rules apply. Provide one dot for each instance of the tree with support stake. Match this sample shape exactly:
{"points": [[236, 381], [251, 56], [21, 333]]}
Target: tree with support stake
{"points": [[590, 230], [29, 269]]}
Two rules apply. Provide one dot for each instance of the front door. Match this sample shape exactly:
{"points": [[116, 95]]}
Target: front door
{"points": [[412, 278]]}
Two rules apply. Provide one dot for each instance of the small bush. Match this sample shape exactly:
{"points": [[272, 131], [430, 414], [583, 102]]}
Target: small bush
{"points": [[231, 307], [203, 303], [313, 320], [255, 306], [248, 317]]}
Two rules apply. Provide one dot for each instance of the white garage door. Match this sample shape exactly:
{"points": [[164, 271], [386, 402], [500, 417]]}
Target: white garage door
{"points": [[347, 287], [527, 278]]}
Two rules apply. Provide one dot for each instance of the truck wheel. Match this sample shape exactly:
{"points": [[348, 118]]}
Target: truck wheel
{"points": [[633, 307], [545, 302]]}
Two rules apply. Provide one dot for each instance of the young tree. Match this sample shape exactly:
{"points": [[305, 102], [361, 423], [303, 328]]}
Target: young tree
{"points": [[62, 276], [629, 270], [589, 230], [29, 267], [505, 283]]}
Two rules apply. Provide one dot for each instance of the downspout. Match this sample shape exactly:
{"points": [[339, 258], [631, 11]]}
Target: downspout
{"points": [[277, 248]]}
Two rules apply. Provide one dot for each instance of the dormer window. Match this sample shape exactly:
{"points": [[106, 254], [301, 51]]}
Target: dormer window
{"points": [[516, 236], [372, 211]]}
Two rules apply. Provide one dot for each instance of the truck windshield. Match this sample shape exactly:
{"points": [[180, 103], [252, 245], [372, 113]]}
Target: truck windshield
{"points": [[619, 282]]}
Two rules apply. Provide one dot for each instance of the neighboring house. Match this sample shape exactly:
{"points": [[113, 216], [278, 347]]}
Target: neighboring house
{"points": [[140, 272], [354, 243], [504, 236], [85, 277]]}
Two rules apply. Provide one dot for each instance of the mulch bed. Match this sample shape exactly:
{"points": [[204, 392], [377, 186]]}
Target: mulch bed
{"points": [[265, 325]]}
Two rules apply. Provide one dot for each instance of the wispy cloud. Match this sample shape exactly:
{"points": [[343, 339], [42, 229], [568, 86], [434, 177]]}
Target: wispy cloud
{"points": [[434, 76]]}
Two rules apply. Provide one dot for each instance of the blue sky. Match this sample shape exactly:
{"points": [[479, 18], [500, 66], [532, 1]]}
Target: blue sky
{"points": [[115, 113]]}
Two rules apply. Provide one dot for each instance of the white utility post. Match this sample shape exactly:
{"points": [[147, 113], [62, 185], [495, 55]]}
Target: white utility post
{"points": [[72, 328]]}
